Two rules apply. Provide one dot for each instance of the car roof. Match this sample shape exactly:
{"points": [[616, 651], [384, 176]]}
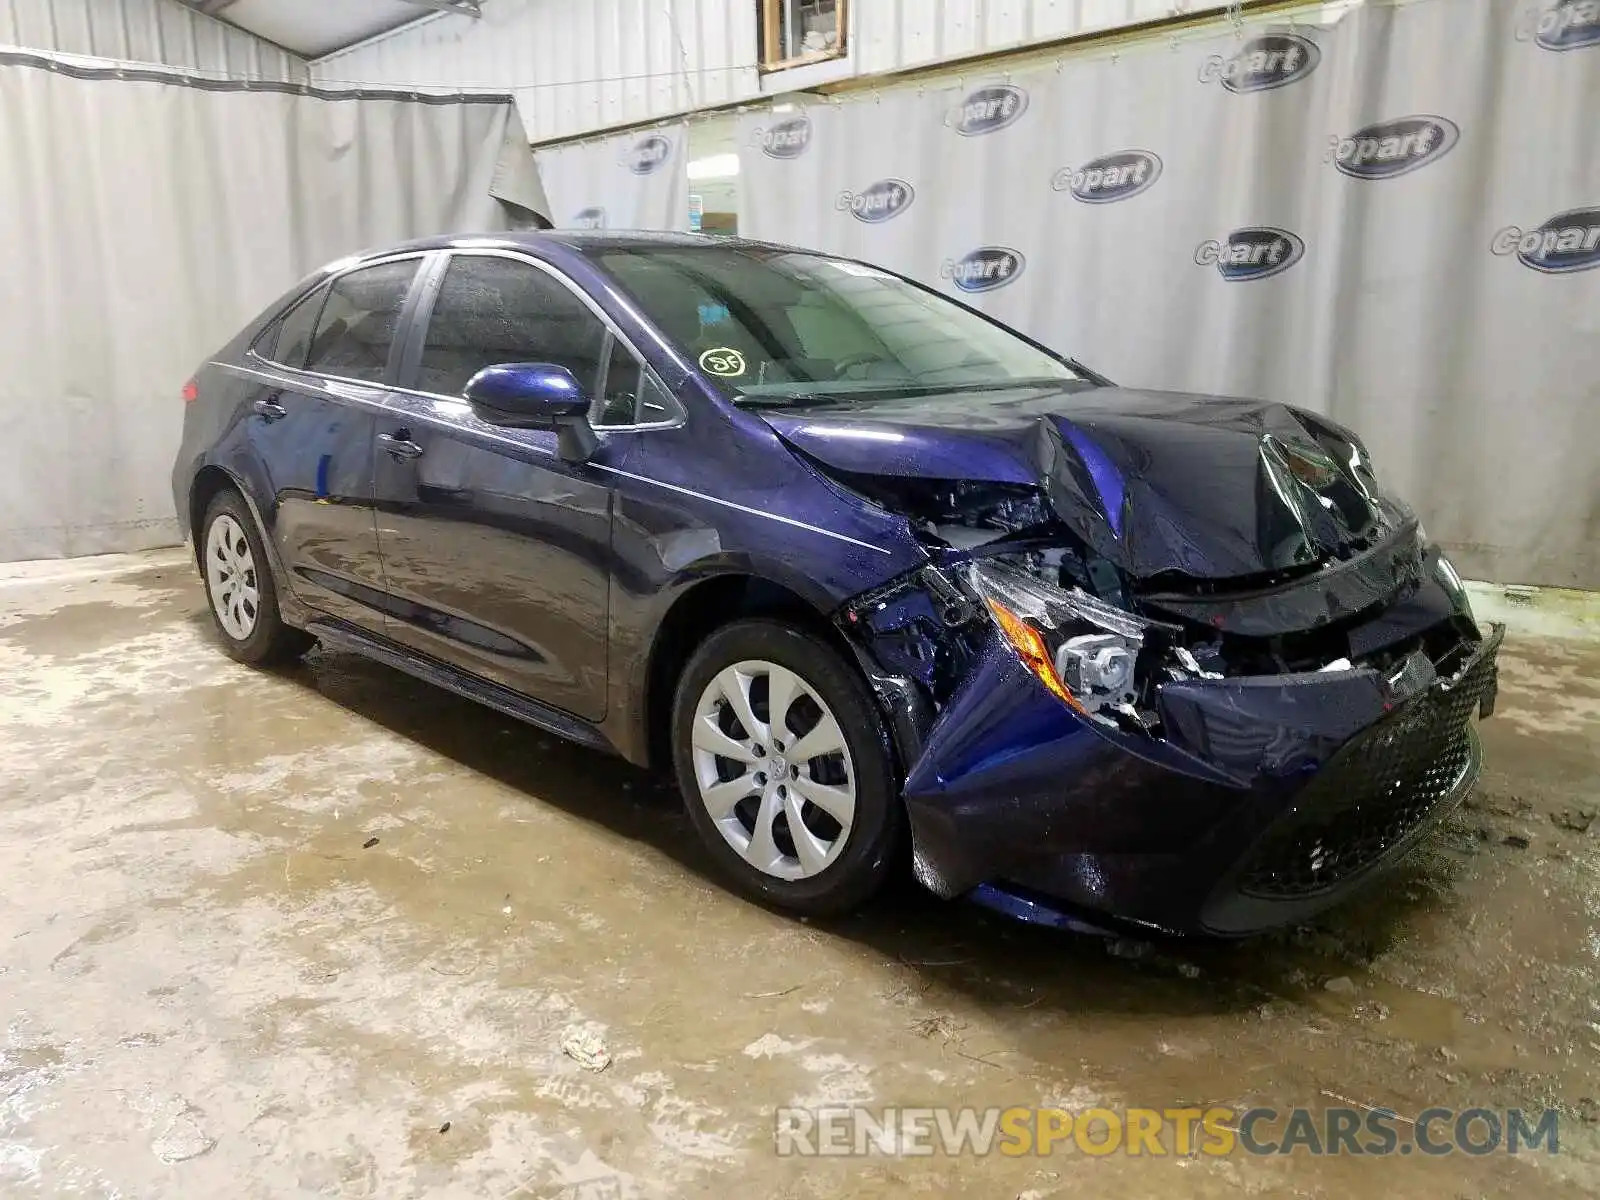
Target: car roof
{"points": [[583, 241]]}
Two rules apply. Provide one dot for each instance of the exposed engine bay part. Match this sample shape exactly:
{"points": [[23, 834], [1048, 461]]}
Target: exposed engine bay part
{"points": [[1191, 664], [1124, 667], [957, 514]]}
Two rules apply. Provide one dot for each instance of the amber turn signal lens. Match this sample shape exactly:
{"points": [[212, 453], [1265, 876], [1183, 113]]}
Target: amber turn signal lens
{"points": [[1030, 647]]}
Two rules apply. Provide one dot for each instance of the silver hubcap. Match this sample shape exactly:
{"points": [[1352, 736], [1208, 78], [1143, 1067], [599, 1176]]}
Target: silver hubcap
{"points": [[231, 574], [773, 769]]}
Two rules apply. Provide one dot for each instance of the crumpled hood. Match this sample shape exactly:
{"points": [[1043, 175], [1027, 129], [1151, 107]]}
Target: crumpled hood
{"points": [[1155, 482]]}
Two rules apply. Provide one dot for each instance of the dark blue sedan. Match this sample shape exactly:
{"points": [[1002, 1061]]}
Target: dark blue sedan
{"points": [[878, 577]]}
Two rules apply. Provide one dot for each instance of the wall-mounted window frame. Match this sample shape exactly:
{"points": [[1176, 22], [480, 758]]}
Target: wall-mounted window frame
{"points": [[780, 24]]}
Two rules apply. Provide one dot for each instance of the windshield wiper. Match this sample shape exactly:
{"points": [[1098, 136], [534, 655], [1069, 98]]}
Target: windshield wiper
{"points": [[889, 389], [787, 399], [1089, 375]]}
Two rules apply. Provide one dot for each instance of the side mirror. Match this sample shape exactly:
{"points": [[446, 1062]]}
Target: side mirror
{"points": [[535, 396]]}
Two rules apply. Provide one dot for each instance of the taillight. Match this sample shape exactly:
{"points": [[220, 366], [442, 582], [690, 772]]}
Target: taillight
{"points": [[191, 391]]}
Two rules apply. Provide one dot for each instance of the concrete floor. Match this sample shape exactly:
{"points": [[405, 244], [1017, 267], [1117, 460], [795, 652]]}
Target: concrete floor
{"points": [[208, 986]]}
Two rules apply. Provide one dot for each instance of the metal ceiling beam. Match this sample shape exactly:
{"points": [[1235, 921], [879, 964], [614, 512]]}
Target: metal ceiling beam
{"points": [[465, 8]]}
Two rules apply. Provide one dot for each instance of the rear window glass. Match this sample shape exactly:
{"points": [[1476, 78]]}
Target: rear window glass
{"points": [[358, 322]]}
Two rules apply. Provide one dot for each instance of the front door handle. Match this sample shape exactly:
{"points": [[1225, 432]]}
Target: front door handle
{"points": [[400, 446], [269, 408]]}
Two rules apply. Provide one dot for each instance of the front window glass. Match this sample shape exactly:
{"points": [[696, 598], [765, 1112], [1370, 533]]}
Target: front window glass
{"points": [[775, 326], [631, 395], [494, 310]]}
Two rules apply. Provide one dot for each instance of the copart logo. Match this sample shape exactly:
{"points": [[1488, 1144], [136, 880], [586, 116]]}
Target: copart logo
{"points": [[1256, 252], [1564, 26], [589, 218], [984, 269], [989, 109], [1273, 60], [786, 139], [882, 201], [1111, 177], [648, 155], [1392, 148], [1569, 241]]}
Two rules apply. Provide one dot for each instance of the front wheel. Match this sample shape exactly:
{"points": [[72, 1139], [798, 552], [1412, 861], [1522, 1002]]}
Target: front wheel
{"points": [[785, 767]]}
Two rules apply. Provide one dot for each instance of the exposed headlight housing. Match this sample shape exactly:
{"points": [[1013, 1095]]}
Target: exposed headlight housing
{"points": [[1082, 649], [1098, 667]]}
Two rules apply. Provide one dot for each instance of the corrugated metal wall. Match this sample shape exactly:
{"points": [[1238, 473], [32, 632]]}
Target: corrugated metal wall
{"points": [[574, 67], [894, 35], [152, 31], [581, 66]]}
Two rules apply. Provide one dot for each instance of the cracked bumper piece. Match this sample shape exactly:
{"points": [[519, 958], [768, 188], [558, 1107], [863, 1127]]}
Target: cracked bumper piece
{"points": [[1265, 800]]}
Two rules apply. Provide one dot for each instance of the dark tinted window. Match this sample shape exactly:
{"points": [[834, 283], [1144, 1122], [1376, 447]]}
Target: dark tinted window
{"points": [[359, 320], [631, 394], [294, 331], [496, 310]]}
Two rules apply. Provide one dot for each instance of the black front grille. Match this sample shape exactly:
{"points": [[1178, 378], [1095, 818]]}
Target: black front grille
{"points": [[1373, 794]]}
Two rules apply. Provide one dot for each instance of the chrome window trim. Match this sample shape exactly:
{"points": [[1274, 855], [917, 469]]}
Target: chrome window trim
{"points": [[451, 252], [294, 378], [276, 376], [448, 253]]}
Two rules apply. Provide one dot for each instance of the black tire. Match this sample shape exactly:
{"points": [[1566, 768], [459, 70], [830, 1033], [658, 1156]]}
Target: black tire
{"points": [[270, 640], [869, 854]]}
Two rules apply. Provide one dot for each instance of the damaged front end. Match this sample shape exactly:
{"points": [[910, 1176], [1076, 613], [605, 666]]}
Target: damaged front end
{"points": [[1096, 731]]}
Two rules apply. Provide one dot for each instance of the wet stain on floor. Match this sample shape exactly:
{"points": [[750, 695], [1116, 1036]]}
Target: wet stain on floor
{"points": [[325, 931]]}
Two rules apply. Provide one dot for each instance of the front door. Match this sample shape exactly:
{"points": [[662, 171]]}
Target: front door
{"points": [[496, 553], [312, 425]]}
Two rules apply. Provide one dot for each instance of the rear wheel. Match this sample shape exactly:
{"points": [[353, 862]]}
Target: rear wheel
{"points": [[785, 768], [240, 587]]}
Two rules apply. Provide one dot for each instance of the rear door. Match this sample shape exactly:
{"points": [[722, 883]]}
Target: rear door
{"points": [[319, 379], [497, 553]]}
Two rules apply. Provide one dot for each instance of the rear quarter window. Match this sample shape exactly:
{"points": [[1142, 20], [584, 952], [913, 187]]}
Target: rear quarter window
{"points": [[289, 342]]}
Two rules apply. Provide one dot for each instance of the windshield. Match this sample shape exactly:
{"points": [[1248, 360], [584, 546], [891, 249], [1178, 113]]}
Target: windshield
{"points": [[784, 327]]}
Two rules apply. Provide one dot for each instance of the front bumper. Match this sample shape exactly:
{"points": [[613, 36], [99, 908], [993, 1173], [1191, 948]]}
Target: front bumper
{"points": [[1265, 800]]}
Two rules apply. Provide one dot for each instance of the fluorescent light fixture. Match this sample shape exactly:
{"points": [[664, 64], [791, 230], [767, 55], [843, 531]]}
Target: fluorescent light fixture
{"points": [[714, 166]]}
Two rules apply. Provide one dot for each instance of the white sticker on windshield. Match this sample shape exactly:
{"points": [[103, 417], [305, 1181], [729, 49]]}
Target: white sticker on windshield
{"points": [[722, 361]]}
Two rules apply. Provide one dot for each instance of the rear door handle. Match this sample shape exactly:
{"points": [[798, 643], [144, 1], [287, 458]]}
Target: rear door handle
{"points": [[400, 446], [269, 408]]}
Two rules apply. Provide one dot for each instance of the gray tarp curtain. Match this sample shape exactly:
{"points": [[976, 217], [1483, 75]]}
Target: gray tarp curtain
{"points": [[632, 181], [1393, 219], [144, 218]]}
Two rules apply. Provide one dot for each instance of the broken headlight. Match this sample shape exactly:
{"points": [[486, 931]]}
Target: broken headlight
{"points": [[1082, 649]]}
